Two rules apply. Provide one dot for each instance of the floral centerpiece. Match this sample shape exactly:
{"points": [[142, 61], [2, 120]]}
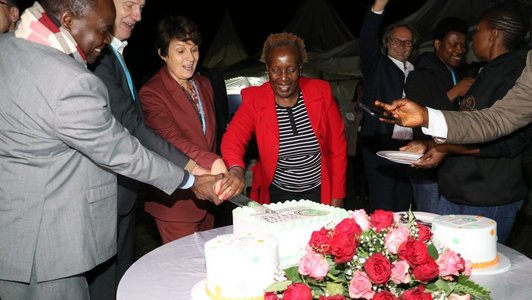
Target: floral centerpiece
{"points": [[379, 257]]}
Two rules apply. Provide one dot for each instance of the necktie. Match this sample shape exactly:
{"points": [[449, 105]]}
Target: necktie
{"points": [[126, 71]]}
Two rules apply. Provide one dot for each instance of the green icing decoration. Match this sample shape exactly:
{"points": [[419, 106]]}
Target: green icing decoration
{"points": [[313, 212], [456, 240]]}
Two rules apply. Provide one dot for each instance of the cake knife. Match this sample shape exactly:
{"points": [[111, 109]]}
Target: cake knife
{"points": [[242, 200]]}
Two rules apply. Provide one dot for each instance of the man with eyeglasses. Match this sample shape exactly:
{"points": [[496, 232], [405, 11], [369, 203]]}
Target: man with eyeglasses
{"points": [[384, 75], [9, 15]]}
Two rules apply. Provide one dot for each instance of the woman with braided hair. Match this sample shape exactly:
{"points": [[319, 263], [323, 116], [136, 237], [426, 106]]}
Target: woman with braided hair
{"points": [[487, 179]]}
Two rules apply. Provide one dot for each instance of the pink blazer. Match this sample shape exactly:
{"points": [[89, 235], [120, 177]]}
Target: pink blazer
{"points": [[257, 115], [169, 112]]}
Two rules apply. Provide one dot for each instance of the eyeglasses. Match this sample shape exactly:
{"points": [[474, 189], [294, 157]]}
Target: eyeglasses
{"points": [[397, 42], [6, 4]]}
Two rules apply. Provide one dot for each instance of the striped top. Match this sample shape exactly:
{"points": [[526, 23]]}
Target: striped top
{"points": [[299, 161]]}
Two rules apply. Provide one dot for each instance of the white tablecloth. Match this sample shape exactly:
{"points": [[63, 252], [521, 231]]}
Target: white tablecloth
{"points": [[170, 272]]}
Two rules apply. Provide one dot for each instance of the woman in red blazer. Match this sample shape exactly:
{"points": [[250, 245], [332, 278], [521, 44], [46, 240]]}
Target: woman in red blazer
{"points": [[179, 105], [298, 128]]}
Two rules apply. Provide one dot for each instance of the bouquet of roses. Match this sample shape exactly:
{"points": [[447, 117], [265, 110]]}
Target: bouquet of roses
{"points": [[377, 257]]}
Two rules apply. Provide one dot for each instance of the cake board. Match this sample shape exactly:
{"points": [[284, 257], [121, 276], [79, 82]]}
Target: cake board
{"points": [[502, 266], [199, 291]]}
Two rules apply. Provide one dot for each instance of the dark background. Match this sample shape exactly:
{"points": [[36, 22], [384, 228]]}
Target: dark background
{"points": [[253, 21]]}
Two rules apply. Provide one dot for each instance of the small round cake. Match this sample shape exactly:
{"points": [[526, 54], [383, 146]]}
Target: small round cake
{"points": [[473, 237], [240, 266]]}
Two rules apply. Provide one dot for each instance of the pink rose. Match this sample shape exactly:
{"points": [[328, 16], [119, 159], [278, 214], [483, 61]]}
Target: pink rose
{"points": [[417, 293], [385, 295], [458, 297], [395, 237], [360, 286], [381, 219], [468, 267], [320, 241], [425, 272], [362, 219], [378, 268], [297, 291], [313, 265], [414, 252], [400, 272], [424, 233], [450, 264], [271, 296]]}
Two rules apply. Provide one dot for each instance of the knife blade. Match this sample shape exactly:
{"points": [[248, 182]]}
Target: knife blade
{"points": [[242, 200]]}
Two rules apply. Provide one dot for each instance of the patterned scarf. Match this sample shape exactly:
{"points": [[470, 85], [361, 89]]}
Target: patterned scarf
{"points": [[36, 26]]}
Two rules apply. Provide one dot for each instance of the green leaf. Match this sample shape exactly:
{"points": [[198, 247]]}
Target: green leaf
{"points": [[278, 286], [334, 289], [433, 252], [467, 286], [292, 273]]}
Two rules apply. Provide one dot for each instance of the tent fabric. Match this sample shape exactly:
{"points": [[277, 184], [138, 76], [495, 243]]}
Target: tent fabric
{"points": [[226, 48], [320, 26], [333, 51]]}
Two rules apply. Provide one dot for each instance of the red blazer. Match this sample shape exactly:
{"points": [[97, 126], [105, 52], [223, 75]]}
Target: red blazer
{"points": [[169, 112], [257, 115]]}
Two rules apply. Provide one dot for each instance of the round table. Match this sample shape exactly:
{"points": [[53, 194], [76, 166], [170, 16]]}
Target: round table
{"points": [[170, 271]]}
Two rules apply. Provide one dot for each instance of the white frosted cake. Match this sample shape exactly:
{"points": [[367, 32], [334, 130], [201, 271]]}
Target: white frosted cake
{"points": [[240, 266], [473, 237], [292, 224]]}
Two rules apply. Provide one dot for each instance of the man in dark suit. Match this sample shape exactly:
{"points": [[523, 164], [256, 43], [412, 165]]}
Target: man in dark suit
{"points": [[125, 107], [384, 71]]}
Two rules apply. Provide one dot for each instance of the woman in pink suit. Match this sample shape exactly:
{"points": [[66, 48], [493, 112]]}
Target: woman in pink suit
{"points": [[179, 105], [298, 128]]}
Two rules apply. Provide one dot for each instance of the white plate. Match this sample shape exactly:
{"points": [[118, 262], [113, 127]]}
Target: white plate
{"points": [[402, 157]]}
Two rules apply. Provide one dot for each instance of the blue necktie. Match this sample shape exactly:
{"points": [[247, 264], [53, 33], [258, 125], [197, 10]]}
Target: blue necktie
{"points": [[126, 71]]}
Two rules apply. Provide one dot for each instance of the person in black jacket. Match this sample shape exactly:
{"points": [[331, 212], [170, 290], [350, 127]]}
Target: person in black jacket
{"points": [[435, 82], [488, 179], [384, 76]]}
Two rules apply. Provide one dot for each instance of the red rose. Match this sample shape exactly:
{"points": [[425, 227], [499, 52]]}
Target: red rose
{"points": [[426, 272], [348, 226], [385, 295], [378, 268], [343, 247], [414, 252], [381, 219], [320, 241], [417, 293], [424, 232], [297, 291], [335, 297], [271, 296]]}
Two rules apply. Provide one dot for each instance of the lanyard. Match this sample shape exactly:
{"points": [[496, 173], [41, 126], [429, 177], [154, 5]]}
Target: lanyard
{"points": [[454, 76], [126, 71]]}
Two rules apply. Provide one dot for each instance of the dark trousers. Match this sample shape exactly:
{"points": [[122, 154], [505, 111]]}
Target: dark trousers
{"points": [[278, 195], [103, 280], [389, 187]]}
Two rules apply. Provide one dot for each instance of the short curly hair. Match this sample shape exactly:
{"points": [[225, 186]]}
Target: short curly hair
{"points": [[284, 39]]}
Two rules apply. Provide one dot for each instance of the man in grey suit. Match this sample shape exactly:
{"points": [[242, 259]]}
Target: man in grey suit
{"points": [[60, 147], [510, 113]]}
